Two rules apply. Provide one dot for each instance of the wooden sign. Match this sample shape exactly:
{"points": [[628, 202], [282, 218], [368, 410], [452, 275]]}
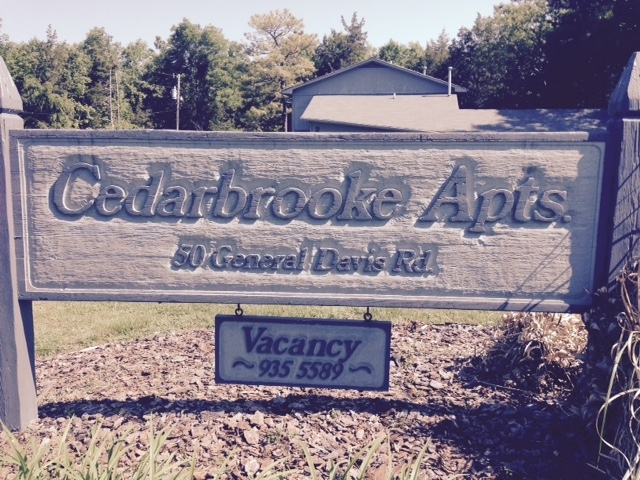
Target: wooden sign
{"points": [[303, 352], [499, 221], [483, 222]]}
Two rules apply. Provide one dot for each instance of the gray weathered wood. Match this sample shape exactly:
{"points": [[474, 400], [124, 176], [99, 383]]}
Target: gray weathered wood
{"points": [[17, 366], [625, 145], [514, 264], [625, 99], [10, 100]]}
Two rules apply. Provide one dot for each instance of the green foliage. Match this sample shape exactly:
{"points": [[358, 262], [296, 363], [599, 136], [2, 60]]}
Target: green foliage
{"points": [[410, 56], [210, 69], [95, 84], [587, 50], [432, 58], [341, 49], [437, 56], [104, 58], [28, 463], [4, 41], [501, 58], [52, 78], [539, 54], [131, 86]]}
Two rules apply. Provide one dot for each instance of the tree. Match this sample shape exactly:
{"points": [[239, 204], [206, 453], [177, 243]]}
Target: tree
{"points": [[501, 58], [104, 57], [211, 69], [52, 78], [588, 48], [410, 56], [87, 85], [281, 57], [228, 83], [437, 56], [431, 59], [131, 87], [341, 49]]}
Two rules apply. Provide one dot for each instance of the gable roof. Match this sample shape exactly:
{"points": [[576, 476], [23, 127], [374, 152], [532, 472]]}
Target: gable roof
{"points": [[368, 63]]}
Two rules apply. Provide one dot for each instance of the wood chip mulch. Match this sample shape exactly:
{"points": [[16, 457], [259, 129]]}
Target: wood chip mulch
{"points": [[474, 429]]}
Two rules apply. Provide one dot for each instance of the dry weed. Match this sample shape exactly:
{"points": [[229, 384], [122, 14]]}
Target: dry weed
{"points": [[618, 420], [538, 352]]}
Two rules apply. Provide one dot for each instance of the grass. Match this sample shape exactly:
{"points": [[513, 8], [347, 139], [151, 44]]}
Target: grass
{"points": [[71, 326]]}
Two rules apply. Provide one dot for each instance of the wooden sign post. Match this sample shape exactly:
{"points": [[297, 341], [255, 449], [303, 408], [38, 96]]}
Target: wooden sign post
{"points": [[501, 221], [624, 108], [17, 360]]}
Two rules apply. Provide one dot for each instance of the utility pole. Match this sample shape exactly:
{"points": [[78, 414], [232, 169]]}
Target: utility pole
{"points": [[110, 100], [175, 94], [117, 101]]}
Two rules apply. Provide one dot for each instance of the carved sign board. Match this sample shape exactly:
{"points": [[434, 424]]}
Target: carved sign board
{"points": [[501, 221], [303, 352]]}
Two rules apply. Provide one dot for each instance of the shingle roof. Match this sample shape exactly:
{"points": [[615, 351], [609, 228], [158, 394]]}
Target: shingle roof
{"points": [[440, 113]]}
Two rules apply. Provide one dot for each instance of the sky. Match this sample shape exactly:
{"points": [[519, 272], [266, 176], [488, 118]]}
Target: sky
{"points": [[128, 20]]}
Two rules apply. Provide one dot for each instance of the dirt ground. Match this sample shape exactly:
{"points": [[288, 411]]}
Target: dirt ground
{"points": [[474, 428]]}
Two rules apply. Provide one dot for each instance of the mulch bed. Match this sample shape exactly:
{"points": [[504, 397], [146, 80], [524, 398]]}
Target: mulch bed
{"points": [[481, 430]]}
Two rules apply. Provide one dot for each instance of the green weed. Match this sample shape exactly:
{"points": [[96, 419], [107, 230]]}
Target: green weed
{"points": [[101, 460]]}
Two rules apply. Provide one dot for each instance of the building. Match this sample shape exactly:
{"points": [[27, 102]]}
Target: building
{"points": [[376, 96], [370, 96]]}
